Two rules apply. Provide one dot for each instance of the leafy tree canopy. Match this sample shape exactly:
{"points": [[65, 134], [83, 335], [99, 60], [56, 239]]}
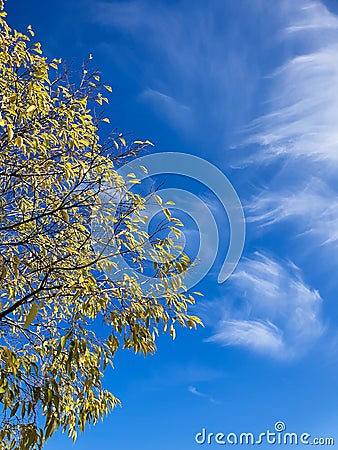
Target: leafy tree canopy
{"points": [[58, 279]]}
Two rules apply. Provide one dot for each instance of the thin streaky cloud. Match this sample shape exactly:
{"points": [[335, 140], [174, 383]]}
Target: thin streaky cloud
{"points": [[313, 208], [304, 97], [193, 390], [313, 16], [275, 312], [260, 336]]}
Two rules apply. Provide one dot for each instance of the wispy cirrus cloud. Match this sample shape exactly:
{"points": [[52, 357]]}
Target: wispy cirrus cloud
{"points": [[303, 101], [297, 137], [312, 16], [275, 312], [314, 208], [193, 390], [206, 74], [257, 335]]}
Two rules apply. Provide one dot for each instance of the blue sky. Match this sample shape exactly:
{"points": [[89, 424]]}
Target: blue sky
{"points": [[250, 86]]}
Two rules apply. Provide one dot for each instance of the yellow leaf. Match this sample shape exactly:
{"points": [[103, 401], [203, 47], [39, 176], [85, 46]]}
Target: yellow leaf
{"points": [[31, 108], [108, 88], [106, 120], [18, 141], [197, 320], [10, 134], [30, 31], [64, 215], [167, 213], [158, 199], [64, 338], [176, 231], [172, 332], [149, 143], [31, 315], [3, 272]]}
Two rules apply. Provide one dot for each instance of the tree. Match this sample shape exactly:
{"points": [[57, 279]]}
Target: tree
{"points": [[59, 278]]}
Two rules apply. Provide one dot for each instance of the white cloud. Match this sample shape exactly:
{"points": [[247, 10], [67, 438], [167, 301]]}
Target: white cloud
{"points": [[193, 390], [314, 208], [302, 117], [275, 313], [260, 336], [313, 16]]}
